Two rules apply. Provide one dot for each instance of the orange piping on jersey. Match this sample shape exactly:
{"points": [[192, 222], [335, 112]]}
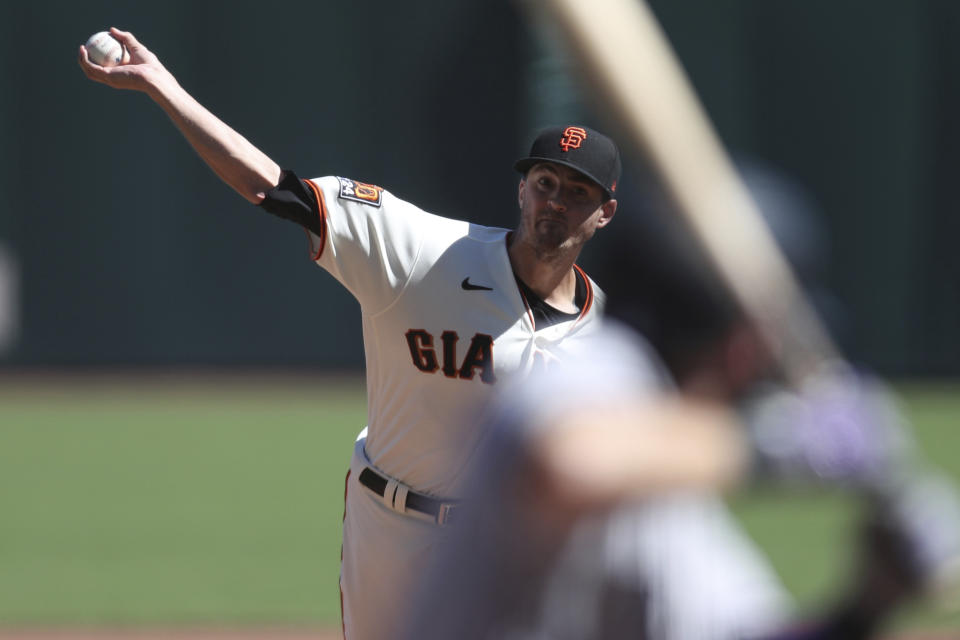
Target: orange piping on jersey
{"points": [[589, 301], [523, 298], [343, 621], [529, 310], [323, 218]]}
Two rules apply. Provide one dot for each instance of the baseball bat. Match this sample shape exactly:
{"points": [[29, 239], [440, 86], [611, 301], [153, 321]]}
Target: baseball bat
{"points": [[628, 61]]}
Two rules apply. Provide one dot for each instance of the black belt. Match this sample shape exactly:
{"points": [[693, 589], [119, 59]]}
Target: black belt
{"points": [[439, 510]]}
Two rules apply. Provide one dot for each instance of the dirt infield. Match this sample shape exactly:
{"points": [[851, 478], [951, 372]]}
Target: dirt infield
{"points": [[170, 634], [263, 634]]}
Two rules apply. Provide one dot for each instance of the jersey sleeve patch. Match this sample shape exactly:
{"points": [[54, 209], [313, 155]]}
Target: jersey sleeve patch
{"points": [[360, 192]]}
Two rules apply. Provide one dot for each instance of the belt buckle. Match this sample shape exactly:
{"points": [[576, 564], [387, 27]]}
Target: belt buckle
{"points": [[445, 513]]}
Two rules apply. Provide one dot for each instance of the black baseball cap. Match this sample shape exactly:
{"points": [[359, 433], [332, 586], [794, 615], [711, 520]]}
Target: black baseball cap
{"points": [[589, 152]]}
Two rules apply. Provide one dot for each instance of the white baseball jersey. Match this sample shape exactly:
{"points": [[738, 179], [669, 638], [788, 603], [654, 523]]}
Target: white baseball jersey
{"points": [[444, 322]]}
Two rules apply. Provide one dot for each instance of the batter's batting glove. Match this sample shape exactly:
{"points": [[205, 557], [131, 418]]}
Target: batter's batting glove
{"points": [[923, 509], [840, 426]]}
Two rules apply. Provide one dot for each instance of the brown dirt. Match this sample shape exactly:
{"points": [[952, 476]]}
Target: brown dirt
{"points": [[258, 634], [172, 634]]}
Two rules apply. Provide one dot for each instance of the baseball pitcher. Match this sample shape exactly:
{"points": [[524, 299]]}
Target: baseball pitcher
{"points": [[449, 308]]}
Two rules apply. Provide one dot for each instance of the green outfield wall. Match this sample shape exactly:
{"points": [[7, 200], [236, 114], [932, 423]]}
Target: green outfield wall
{"points": [[127, 250]]}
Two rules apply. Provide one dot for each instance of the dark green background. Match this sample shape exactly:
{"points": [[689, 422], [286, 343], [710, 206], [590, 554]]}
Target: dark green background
{"points": [[131, 252]]}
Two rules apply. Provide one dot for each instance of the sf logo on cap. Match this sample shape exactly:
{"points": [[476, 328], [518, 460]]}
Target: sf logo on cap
{"points": [[573, 137]]}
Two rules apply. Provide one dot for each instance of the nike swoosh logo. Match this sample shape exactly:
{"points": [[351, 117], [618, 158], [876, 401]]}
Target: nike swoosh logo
{"points": [[466, 286]]}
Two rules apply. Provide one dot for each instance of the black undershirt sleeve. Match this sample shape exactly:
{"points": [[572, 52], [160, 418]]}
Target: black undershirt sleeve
{"points": [[292, 200]]}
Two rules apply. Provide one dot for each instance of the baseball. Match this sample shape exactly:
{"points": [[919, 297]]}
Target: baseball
{"points": [[105, 50]]}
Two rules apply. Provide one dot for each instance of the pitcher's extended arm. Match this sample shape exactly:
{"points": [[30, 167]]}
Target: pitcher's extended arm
{"points": [[240, 164]]}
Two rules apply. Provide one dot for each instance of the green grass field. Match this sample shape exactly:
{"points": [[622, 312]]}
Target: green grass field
{"points": [[164, 500]]}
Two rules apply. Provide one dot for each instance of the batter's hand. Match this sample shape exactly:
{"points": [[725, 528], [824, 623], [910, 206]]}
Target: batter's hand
{"points": [[142, 72], [841, 426]]}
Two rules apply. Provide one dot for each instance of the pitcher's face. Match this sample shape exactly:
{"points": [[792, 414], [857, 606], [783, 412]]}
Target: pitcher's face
{"points": [[560, 208]]}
